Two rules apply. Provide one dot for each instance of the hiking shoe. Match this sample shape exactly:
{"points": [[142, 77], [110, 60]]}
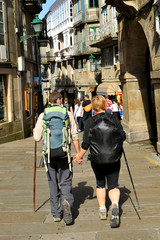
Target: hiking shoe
{"points": [[67, 214], [57, 219], [114, 221], [102, 214]]}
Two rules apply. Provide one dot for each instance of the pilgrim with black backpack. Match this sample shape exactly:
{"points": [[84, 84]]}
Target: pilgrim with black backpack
{"points": [[104, 136]]}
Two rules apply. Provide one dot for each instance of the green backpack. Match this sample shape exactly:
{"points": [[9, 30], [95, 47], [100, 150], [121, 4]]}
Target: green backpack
{"points": [[56, 132]]}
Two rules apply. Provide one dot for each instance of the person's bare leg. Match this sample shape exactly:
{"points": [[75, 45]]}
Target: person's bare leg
{"points": [[101, 197], [114, 195]]}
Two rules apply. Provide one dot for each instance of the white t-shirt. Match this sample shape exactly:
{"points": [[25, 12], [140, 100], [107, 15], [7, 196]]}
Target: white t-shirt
{"points": [[77, 110], [114, 107]]}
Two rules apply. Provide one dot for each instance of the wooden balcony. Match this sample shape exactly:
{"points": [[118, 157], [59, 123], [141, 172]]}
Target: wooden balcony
{"points": [[33, 6]]}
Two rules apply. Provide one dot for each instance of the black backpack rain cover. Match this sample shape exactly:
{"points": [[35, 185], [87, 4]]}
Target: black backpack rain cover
{"points": [[106, 142]]}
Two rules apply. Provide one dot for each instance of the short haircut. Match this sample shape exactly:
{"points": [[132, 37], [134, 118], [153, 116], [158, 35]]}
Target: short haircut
{"points": [[87, 96], [54, 96], [99, 103]]}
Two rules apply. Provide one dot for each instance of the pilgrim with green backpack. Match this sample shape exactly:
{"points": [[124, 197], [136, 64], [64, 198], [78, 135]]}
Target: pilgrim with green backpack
{"points": [[57, 127], [56, 133]]}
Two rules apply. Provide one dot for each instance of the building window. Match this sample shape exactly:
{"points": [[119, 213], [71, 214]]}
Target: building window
{"points": [[77, 6], [114, 12], [2, 41], [93, 3], [94, 33], [71, 42], [84, 65], [79, 65], [3, 99], [107, 57], [59, 46], [105, 15], [115, 55], [96, 65]]}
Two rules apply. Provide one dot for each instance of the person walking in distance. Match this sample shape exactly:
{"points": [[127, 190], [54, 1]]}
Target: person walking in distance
{"points": [[104, 156], [109, 104], [52, 124], [115, 109], [77, 114], [67, 105], [86, 109]]}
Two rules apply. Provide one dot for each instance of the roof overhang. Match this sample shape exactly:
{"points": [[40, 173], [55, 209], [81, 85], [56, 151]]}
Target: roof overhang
{"points": [[105, 42]]}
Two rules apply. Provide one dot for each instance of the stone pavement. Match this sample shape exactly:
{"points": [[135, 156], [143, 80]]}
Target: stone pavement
{"points": [[17, 220]]}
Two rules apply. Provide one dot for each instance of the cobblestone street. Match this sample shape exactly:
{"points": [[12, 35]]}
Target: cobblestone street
{"points": [[17, 220]]}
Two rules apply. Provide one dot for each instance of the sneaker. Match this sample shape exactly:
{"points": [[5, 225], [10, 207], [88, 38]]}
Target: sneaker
{"points": [[102, 214], [114, 221], [79, 130], [57, 219], [67, 214]]}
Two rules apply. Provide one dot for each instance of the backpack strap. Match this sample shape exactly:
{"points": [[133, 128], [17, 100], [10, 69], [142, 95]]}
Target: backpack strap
{"points": [[66, 142]]}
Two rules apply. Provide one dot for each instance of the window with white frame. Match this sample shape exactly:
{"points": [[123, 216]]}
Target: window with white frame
{"points": [[107, 57], [94, 33], [115, 54], [77, 6], [105, 15], [114, 12], [2, 35]]}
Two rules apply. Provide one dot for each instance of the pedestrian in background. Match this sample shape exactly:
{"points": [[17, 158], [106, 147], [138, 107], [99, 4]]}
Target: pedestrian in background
{"points": [[86, 109], [100, 148], [77, 114], [115, 109], [109, 104], [68, 105]]}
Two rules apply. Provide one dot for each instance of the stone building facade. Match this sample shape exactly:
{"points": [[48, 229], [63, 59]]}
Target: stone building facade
{"points": [[139, 47], [86, 23], [108, 44], [73, 26], [18, 67]]}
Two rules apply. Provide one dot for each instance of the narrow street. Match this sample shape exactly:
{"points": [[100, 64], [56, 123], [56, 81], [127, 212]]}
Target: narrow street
{"points": [[17, 220]]}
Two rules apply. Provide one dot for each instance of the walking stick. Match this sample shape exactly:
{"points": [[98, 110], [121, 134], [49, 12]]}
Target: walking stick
{"points": [[34, 176], [131, 179]]}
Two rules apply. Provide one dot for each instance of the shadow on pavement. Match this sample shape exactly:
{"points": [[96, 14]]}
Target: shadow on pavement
{"points": [[81, 193]]}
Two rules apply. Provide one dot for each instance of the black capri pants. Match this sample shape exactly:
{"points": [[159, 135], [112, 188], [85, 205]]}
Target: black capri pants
{"points": [[106, 171]]}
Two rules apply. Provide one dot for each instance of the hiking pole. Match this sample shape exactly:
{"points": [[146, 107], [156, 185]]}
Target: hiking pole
{"points": [[131, 179], [34, 176]]}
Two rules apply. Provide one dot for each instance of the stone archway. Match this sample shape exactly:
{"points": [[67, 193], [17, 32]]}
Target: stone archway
{"points": [[138, 99]]}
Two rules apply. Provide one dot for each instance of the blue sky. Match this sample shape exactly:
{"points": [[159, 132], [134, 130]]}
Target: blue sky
{"points": [[46, 7]]}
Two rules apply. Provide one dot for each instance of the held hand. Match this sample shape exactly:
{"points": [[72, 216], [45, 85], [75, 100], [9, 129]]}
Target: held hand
{"points": [[78, 159]]}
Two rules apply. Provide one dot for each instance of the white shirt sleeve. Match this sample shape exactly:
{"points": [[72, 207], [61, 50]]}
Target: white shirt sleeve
{"points": [[37, 135]]}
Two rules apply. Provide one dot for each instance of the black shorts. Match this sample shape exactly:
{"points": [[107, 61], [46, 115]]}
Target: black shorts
{"points": [[109, 171]]}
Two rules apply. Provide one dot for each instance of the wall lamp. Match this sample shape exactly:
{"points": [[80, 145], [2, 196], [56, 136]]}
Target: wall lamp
{"points": [[37, 26]]}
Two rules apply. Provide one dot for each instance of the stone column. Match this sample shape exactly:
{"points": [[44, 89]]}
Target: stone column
{"points": [[155, 76], [135, 106]]}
